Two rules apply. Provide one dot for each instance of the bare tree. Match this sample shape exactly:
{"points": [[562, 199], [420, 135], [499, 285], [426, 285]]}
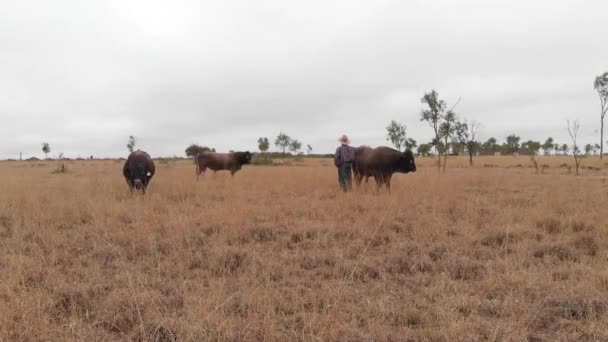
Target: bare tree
{"points": [[535, 163], [466, 134], [573, 128], [601, 85], [61, 168]]}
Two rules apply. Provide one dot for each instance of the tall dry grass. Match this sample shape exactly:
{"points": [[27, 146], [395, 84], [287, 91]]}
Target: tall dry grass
{"points": [[278, 253]]}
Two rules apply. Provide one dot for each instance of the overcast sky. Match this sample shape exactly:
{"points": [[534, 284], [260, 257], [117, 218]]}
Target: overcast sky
{"points": [[84, 75]]}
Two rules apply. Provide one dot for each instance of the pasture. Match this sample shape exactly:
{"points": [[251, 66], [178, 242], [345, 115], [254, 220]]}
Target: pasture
{"points": [[278, 253]]}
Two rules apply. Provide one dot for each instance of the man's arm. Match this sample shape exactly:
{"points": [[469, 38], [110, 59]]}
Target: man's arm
{"points": [[337, 156]]}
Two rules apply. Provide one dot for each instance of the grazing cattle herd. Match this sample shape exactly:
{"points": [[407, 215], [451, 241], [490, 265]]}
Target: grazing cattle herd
{"points": [[381, 163]]}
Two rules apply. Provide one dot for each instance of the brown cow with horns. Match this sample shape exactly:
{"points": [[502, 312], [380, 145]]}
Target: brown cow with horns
{"points": [[232, 161]]}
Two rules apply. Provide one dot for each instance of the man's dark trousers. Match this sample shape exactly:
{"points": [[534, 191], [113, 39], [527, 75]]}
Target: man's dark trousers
{"points": [[345, 176]]}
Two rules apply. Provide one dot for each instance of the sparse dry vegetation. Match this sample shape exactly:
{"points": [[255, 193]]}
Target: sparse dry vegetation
{"points": [[278, 253]]}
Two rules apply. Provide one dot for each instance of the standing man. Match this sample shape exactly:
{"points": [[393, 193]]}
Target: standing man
{"points": [[343, 159]]}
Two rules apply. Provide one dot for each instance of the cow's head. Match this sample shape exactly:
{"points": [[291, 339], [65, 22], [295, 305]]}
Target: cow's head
{"points": [[243, 157], [407, 163], [138, 184], [141, 176]]}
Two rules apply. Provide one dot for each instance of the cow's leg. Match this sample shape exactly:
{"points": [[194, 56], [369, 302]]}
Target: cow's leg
{"points": [[130, 184], [144, 185], [234, 170], [388, 182], [358, 178], [378, 179], [200, 170]]}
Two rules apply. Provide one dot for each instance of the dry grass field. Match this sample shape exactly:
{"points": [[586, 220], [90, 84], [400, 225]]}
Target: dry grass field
{"points": [[490, 253]]}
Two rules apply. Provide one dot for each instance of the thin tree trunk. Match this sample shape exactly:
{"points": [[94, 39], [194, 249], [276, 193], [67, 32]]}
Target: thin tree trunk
{"points": [[470, 158], [437, 140], [602, 139], [438, 160], [438, 155], [445, 155]]}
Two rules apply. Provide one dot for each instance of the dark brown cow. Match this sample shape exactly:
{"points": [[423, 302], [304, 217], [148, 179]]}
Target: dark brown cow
{"points": [[138, 170], [380, 163], [232, 161]]}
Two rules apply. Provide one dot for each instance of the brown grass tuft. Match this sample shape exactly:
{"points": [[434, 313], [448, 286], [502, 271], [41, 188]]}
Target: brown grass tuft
{"points": [[587, 245], [467, 270], [278, 253]]}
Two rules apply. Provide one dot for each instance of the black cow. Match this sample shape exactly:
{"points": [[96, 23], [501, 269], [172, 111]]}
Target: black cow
{"points": [[380, 163], [232, 161], [138, 170]]}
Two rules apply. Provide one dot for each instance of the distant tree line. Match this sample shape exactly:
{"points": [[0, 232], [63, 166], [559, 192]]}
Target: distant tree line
{"points": [[511, 145], [451, 136]]}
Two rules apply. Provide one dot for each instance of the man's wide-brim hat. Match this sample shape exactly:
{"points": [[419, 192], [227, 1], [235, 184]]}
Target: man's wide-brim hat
{"points": [[344, 139]]}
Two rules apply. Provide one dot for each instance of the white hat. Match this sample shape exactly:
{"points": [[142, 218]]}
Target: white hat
{"points": [[344, 139]]}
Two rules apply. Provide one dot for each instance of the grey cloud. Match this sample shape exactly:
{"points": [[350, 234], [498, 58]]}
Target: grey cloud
{"points": [[85, 75]]}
